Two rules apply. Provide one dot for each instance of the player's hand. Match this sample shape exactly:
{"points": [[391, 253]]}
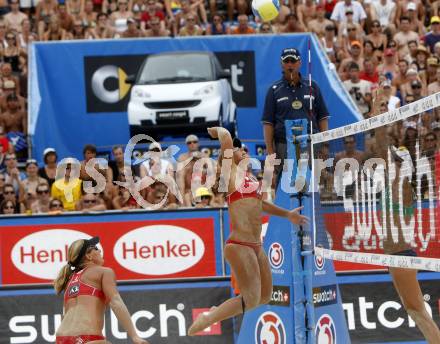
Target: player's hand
{"points": [[379, 94], [296, 218], [139, 340], [213, 132]]}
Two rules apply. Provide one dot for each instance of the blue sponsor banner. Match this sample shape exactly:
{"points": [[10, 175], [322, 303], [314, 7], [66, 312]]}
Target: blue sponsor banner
{"points": [[67, 111]]}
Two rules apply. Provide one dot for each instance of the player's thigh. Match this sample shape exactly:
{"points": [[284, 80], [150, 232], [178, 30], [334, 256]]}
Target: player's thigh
{"points": [[406, 283], [245, 267], [266, 276]]}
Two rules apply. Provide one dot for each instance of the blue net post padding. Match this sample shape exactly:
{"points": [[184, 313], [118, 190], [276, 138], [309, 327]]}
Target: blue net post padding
{"points": [[297, 150], [311, 276]]}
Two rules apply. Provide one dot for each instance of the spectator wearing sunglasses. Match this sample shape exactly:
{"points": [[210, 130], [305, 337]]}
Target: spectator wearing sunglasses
{"points": [[7, 207], [416, 92], [42, 202], [185, 172], [90, 202], [55, 206], [10, 195], [156, 166], [65, 188]]}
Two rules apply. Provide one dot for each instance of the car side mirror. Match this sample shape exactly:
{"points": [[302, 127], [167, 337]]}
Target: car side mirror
{"points": [[130, 79], [224, 74]]}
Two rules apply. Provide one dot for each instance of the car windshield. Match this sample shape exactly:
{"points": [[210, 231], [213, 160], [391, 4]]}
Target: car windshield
{"points": [[163, 69]]}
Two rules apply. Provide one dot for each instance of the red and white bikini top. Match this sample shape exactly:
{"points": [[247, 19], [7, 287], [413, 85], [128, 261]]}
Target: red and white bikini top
{"points": [[251, 188], [76, 287]]}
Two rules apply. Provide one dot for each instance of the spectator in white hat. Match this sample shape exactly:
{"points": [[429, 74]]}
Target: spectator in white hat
{"points": [[407, 88], [393, 101], [157, 167], [192, 144], [49, 170]]}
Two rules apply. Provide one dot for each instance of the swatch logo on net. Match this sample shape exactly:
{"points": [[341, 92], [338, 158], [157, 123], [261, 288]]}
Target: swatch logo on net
{"points": [[159, 250], [43, 253]]}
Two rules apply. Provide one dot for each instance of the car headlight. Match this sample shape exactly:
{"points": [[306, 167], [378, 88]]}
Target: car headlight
{"points": [[205, 91], [138, 93]]}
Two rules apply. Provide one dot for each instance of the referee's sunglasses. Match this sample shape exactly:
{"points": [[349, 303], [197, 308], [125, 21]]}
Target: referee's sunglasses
{"points": [[289, 60]]}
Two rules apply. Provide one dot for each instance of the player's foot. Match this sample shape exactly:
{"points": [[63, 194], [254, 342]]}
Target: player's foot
{"points": [[203, 321]]}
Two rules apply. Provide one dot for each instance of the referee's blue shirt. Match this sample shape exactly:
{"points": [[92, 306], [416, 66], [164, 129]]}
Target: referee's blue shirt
{"points": [[285, 101]]}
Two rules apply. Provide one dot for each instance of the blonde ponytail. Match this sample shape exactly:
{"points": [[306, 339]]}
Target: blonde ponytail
{"points": [[67, 270], [63, 277]]}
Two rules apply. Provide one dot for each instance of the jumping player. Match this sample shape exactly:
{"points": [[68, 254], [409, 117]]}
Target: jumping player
{"points": [[243, 250], [405, 280], [88, 286]]}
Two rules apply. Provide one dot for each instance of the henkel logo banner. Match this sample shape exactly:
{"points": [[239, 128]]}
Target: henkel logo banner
{"points": [[42, 254], [159, 250], [134, 249], [159, 317]]}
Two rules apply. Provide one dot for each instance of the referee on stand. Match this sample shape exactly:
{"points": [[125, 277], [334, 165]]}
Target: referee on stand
{"points": [[289, 98]]}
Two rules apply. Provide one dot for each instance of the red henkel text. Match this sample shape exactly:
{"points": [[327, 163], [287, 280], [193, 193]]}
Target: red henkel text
{"points": [[166, 250], [43, 256]]}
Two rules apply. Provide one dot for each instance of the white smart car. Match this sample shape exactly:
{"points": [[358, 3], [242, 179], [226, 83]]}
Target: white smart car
{"points": [[180, 92]]}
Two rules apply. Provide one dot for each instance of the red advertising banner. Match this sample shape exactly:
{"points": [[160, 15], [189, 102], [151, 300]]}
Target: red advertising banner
{"points": [[336, 224], [150, 249]]}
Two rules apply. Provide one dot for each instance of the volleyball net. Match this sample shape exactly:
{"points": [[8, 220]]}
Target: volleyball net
{"points": [[377, 188]]}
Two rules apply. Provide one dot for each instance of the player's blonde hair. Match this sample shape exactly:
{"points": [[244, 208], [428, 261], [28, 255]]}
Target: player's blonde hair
{"points": [[66, 271]]}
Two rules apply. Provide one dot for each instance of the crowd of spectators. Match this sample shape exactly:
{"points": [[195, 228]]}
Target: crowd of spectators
{"points": [[394, 45], [97, 185]]}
